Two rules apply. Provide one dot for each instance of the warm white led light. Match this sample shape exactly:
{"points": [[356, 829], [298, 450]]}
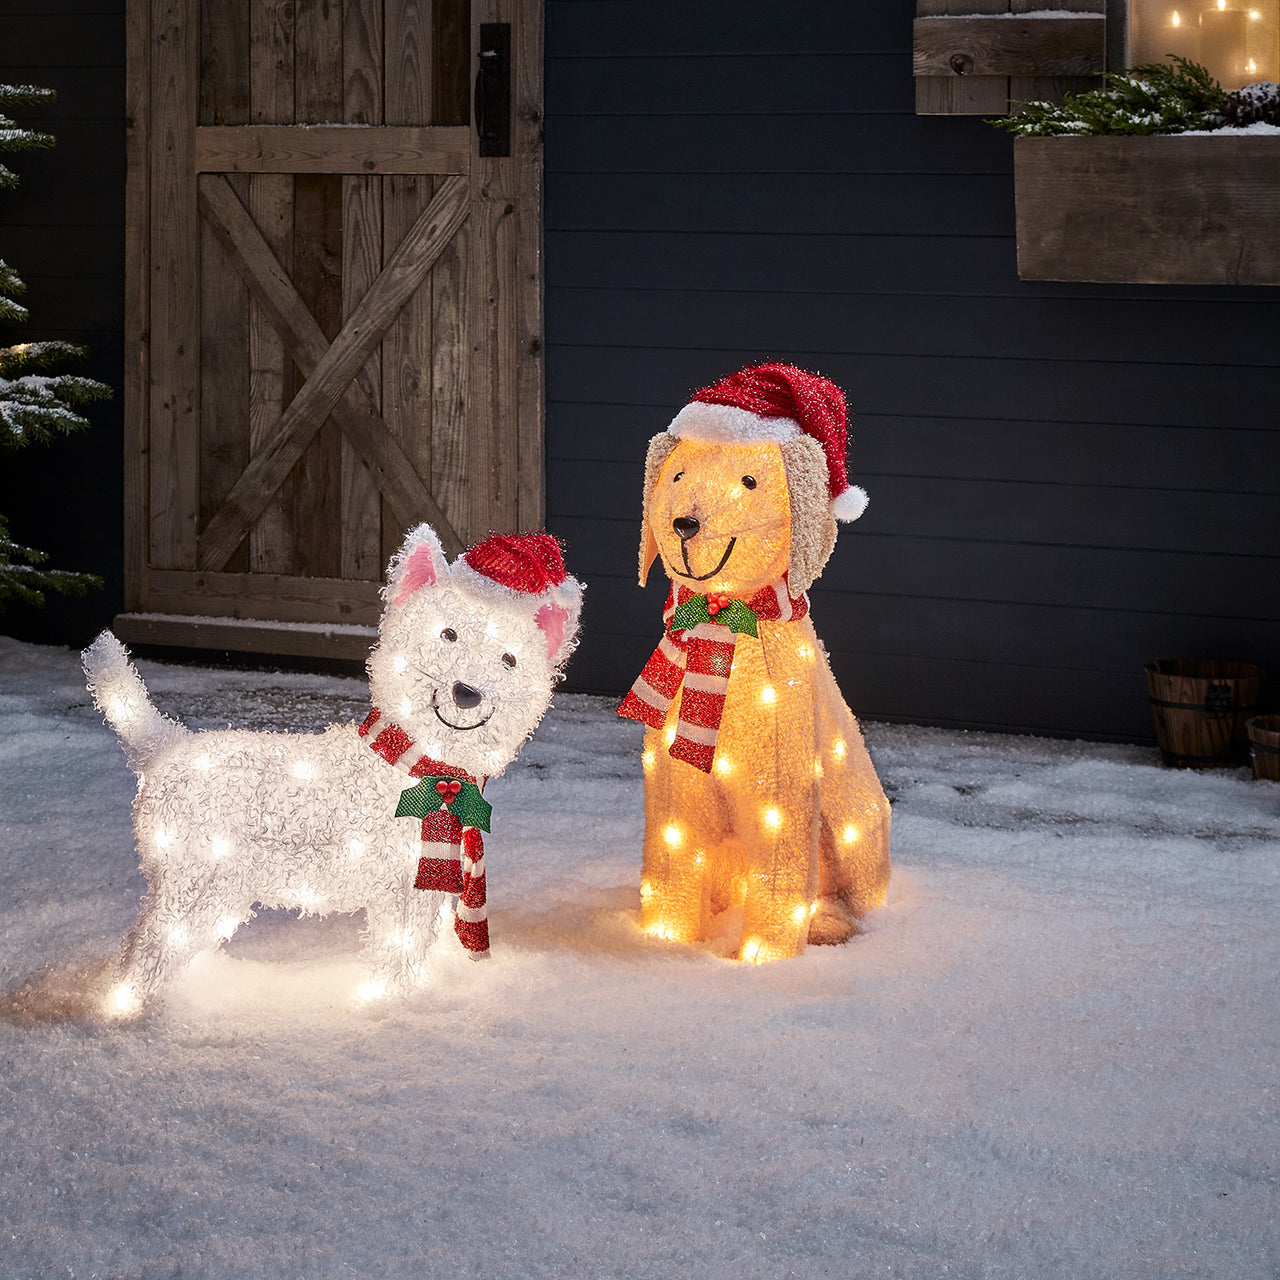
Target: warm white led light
{"points": [[374, 989], [723, 766], [672, 835], [228, 925], [399, 664], [406, 707], [772, 818], [221, 846], [122, 999], [355, 848], [768, 695], [837, 749], [302, 769], [202, 762]]}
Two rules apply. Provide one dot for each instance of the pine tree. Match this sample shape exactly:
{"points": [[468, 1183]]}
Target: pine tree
{"points": [[37, 402]]}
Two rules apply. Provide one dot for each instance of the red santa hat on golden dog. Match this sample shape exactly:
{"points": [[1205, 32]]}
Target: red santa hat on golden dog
{"points": [[768, 404]]}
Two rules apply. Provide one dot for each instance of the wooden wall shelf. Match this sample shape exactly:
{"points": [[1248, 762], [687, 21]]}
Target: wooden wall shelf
{"points": [[970, 57], [1177, 209]]}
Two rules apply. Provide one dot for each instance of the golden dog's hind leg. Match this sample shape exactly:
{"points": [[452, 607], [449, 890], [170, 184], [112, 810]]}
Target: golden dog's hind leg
{"points": [[854, 863]]}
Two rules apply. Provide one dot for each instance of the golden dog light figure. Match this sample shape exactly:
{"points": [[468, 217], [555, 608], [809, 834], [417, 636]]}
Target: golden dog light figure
{"points": [[759, 792]]}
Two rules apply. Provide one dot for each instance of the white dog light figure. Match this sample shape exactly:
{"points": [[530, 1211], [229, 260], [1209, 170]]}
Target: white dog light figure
{"points": [[386, 815]]}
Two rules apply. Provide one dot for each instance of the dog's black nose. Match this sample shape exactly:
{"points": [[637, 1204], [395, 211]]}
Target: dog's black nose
{"points": [[685, 526], [465, 696]]}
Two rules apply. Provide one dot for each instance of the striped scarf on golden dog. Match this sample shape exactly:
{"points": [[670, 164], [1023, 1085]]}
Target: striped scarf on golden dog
{"points": [[696, 652]]}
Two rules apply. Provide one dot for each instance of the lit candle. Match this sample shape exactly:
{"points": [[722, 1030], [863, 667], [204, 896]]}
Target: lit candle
{"points": [[1180, 37], [1262, 48], [1222, 43]]}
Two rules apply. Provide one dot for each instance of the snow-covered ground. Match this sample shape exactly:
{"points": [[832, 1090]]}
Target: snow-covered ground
{"points": [[1053, 1054]]}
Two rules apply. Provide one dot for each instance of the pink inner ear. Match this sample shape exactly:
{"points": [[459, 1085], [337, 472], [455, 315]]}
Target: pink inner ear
{"points": [[419, 571], [551, 618]]}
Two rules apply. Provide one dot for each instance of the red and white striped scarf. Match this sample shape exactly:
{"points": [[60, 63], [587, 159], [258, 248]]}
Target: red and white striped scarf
{"points": [[452, 855], [700, 659]]}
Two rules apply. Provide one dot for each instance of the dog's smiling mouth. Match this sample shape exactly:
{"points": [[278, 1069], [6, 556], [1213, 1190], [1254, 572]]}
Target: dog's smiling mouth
{"points": [[461, 728], [702, 577]]}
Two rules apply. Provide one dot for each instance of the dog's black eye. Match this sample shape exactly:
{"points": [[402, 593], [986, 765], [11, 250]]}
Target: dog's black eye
{"points": [[748, 482], [449, 634], [509, 659], [676, 477]]}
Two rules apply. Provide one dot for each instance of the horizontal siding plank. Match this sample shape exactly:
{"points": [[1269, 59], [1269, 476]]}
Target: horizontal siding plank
{"points": [[976, 266], [58, 303], [1050, 514], [1221, 459], [1027, 328], [883, 204], [84, 93], [909, 385], [600, 28], [850, 81], [777, 144], [92, 150], [69, 39], [953, 569], [69, 253]]}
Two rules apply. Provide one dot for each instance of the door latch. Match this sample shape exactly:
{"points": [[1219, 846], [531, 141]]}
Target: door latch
{"points": [[493, 89]]}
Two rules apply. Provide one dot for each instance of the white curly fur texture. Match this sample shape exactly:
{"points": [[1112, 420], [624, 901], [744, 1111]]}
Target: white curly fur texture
{"points": [[228, 819]]}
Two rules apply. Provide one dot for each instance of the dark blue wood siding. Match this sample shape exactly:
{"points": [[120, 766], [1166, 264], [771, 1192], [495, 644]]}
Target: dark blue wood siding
{"points": [[1066, 480], [62, 230]]}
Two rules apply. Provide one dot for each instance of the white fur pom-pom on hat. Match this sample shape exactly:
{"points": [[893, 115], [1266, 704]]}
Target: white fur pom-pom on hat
{"points": [[772, 403]]}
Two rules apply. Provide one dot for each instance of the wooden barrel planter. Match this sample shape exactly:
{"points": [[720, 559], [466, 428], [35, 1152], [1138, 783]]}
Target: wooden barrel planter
{"points": [[1264, 746], [1200, 707]]}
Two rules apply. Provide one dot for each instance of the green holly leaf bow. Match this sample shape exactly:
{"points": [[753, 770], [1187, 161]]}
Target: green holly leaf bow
{"points": [[466, 804], [732, 614]]}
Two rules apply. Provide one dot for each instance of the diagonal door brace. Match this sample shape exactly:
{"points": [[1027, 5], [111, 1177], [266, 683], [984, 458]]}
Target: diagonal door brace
{"points": [[329, 368]]}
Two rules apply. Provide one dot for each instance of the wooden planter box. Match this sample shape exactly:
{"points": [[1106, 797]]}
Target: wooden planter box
{"points": [[1154, 210]]}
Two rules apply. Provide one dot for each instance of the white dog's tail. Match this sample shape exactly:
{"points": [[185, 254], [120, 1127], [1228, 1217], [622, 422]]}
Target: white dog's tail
{"points": [[118, 692]]}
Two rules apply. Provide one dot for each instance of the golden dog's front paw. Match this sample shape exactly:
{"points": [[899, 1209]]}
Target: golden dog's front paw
{"points": [[833, 922]]}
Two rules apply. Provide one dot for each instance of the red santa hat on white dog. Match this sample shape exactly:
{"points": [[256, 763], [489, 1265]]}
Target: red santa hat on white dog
{"points": [[772, 402]]}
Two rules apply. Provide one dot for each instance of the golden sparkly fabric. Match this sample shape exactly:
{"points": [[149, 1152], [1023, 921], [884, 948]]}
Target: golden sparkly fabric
{"points": [[791, 825]]}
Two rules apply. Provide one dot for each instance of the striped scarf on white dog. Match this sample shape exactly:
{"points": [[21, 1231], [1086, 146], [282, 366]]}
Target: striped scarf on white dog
{"points": [[696, 652], [452, 858]]}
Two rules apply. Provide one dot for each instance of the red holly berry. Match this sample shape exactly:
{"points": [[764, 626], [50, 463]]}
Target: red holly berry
{"points": [[442, 786], [712, 608]]}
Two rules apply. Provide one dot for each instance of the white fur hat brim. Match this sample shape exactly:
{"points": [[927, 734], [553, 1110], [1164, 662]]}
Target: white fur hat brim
{"points": [[727, 422]]}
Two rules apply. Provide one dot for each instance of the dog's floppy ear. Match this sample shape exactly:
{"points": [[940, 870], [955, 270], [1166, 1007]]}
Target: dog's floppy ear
{"points": [[660, 448], [420, 562], [813, 527]]}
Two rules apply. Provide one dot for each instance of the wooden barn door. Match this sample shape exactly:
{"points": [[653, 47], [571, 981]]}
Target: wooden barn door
{"points": [[334, 305]]}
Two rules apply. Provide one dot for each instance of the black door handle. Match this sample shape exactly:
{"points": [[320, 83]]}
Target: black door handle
{"points": [[493, 90]]}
